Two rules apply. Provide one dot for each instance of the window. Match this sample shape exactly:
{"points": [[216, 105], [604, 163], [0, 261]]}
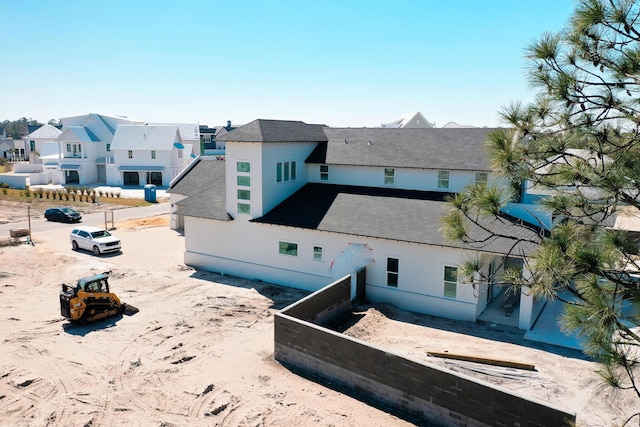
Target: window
{"points": [[180, 154], [68, 148], [153, 154], [108, 147], [79, 148], [317, 253], [243, 167], [482, 178], [32, 145], [389, 176], [324, 172], [285, 171], [243, 179], [443, 179], [450, 281], [130, 154], [392, 272], [288, 248]]}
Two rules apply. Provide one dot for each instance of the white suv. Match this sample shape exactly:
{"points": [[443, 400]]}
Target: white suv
{"points": [[94, 239]]}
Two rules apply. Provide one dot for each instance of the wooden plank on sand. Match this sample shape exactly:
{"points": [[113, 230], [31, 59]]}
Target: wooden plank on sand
{"points": [[487, 361]]}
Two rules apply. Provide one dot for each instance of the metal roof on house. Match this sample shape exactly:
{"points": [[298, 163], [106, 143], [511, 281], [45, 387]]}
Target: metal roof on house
{"points": [[145, 137], [401, 215], [261, 130], [45, 132], [82, 134], [422, 148]]}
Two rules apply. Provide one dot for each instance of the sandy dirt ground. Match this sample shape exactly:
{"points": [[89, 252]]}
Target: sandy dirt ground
{"points": [[200, 350]]}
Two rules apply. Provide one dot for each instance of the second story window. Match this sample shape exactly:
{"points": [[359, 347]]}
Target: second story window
{"points": [[130, 154], [243, 179], [324, 172], [482, 178], [108, 147], [286, 171], [153, 154], [317, 253], [68, 148], [32, 145], [389, 176], [443, 179], [179, 154], [243, 167]]}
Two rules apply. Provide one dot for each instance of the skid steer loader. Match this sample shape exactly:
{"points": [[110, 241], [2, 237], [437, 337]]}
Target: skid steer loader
{"points": [[91, 300]]}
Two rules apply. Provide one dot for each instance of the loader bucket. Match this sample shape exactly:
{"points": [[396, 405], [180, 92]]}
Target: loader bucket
{"points": [[129, 309]]}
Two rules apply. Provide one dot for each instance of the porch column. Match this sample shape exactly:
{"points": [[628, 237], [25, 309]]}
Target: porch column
{"points": [[525, 320]]}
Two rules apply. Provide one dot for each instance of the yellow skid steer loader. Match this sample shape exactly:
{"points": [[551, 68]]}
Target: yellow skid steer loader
{"points": [[91, 300]]}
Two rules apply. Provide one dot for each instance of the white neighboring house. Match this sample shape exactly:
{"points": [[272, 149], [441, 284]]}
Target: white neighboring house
{"points": [[147, 154], [81, 153], [409, 120], [36, 141], [301, 205]]}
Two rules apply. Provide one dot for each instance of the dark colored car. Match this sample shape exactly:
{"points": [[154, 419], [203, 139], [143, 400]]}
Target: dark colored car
{"points": [[63, 215]]}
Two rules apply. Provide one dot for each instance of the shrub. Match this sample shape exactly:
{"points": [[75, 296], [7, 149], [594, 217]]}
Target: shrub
{"points": [[40, 192]]}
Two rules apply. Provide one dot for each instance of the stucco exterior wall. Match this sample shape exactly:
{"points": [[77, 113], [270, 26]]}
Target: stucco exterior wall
{"points": [[251, 250], [405, 178], [244, 152], [273, 193]]}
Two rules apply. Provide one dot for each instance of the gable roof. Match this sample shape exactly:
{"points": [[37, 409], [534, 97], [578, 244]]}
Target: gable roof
{"points": [[45, 132], [261, 130], [422, 148], [401, 215], [414, 120], [78, 133], [204, 184], [145, 137]]}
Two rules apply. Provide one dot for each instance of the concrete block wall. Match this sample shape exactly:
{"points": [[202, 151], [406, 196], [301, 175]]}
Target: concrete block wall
{"points": [[403, 386]]}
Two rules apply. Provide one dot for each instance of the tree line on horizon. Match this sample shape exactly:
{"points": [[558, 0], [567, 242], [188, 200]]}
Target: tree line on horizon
{"points": [[17, 129]]}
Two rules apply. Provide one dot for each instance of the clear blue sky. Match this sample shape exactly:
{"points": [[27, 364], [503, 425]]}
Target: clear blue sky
{"points": [[337, 62]]}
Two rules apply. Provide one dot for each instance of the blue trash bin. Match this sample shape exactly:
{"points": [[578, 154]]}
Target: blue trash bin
{"points": [[150, 193]]}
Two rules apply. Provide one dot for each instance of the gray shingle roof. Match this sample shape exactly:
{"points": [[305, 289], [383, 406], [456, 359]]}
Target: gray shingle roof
{"points": [[204, 184], [424, 148], [276, 131], [387, 214]]}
